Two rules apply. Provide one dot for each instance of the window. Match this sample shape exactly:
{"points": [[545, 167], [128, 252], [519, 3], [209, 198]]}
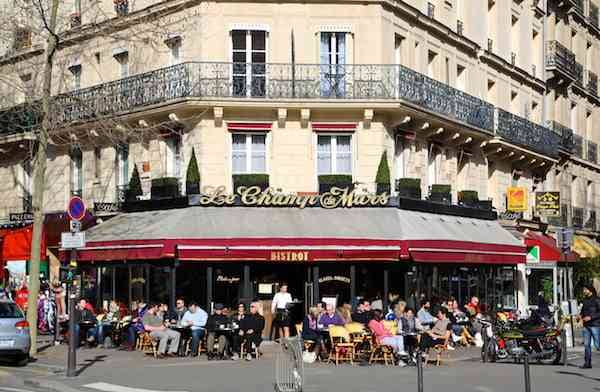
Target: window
{"points": [[97, 162], [537, 52], [123, 59], [249, 57], [173, 157], [433, 164], [431, 64], [122, 164], [514, 102], [573, 119], [334, 154], [174, 50], [398, 44], [461, 78], [333, 59], [401, 154], [514, 33], [76, 74], [76, 171], [22, 38], [249, 153]]}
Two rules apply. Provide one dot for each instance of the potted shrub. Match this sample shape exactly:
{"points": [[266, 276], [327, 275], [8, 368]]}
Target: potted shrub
{"points": [[328, 181], [409, 188], [248, 180], [134, 190], [468, 198], [164, 188], [383, 175], [441, 193], [192, 176]]}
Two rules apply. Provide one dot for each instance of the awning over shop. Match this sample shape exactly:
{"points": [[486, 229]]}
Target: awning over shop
{"points": [[586, 247], [298, 235]]}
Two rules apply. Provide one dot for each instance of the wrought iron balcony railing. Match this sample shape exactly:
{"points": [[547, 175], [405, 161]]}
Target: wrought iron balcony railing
{"points": [[592, 83], [561, 59], [578, 146], [565, 133], [27, 202], [578, 217], [521, 131], [592, 151], [591, 221], [121, 193]]}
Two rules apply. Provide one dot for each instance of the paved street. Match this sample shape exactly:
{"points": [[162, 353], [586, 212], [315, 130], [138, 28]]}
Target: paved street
{"points": [[118, 371]]}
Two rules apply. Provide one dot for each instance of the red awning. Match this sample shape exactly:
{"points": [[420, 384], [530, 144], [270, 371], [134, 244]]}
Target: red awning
{"points": [[442, 251], [289, 249], [16, 244], [334, 127], [249, 126], [124, 250], [549, 252]]}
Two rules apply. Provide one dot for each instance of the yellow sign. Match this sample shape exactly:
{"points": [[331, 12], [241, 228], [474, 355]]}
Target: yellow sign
{"points": [[516, 199], [254, 196]]}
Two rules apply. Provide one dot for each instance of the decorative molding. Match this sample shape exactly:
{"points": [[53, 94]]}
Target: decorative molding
{"points": [[218, 113], [304, 117], [281, 117], [250, 26]]}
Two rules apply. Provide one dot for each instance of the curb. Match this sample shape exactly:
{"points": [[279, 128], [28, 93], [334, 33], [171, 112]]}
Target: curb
{"points": [[49, 385]]}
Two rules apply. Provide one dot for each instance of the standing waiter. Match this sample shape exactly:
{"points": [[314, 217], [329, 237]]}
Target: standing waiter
{"points": [[590, 315], [279, 307]]}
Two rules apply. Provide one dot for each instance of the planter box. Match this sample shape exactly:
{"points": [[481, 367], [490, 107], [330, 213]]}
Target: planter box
{"points": [[326, 182], [383, 188], [439, 197], [192, 188], [165, 188]]}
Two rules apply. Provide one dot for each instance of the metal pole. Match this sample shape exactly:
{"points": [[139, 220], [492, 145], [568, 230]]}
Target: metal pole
{"points": [[563, 345], [72, 358], [527, 374], [419, 372]]}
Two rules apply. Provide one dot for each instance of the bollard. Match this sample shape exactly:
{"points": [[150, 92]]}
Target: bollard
{"points": [[527, 375], [73, 340], [563, 346], [419, 372]]}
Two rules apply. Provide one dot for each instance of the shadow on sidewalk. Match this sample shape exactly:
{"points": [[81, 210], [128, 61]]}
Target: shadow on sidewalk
{"points": [[89, 363], [579, 375]]}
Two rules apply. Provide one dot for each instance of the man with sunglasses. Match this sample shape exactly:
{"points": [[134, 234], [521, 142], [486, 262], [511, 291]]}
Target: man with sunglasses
{"points": [[251, 328]]}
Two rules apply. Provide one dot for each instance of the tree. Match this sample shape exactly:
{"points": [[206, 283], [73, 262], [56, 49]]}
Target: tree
{"points": [[382, 179], [135, 185], [192, 177]]}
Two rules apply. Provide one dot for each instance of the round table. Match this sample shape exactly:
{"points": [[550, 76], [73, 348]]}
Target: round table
{"points": [[185, 333]]}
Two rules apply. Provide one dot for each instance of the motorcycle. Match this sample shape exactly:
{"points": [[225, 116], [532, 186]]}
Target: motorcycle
{"points": [[516, 338]]}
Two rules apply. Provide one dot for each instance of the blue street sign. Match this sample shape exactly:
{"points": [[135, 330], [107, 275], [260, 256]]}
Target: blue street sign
{"points": [[76, 209]]}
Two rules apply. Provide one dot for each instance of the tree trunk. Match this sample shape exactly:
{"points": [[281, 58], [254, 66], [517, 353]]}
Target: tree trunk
{"points": [[39, 179]]}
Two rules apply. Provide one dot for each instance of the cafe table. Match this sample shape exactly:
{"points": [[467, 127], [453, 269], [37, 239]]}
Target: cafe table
{"points": [[185, 333]]}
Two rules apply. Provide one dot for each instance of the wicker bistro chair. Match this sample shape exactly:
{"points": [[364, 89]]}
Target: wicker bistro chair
{"points": [[440, 350], [358, 334], [381, 353], [391, 326], [147, 345], [342, 349]]}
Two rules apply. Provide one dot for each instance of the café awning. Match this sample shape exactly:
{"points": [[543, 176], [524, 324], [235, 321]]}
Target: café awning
{"points": [[586, 247], [297, 235]]}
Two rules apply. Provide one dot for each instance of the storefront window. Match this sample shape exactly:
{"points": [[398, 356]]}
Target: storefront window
{"points": [[138, 283], [160, 283], [227, 284], [191, 283], [89, 280], [540, 280], [334, 282]]}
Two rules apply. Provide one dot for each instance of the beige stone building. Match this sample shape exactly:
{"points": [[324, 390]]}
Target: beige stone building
{"points": [[478, 95]]}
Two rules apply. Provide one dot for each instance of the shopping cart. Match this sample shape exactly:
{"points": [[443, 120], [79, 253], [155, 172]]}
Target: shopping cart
{"points": [[289, 368]]}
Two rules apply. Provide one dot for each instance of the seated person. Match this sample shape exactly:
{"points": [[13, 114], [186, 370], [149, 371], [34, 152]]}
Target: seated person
{"points": [[169, 316], [237, 337], [195, 317], [384, 336], [213, 325], [136, 326], [310, 331], [84, 314], [251, 328], [425, 318], [180, 309], [330, 317], [398, 311], [154, 324], [439, 333], [473, 307], [408, 327], [363, 313]]}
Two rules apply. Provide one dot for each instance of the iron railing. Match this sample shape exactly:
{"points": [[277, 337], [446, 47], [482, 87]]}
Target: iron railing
{"points": [[561, 59], [121, 193], [563, 219], [431, 10], [460, 27], [592, 83], [592, 151], [526, 133], [578, 146], [578, 217], [566, 135], [579, 7]]}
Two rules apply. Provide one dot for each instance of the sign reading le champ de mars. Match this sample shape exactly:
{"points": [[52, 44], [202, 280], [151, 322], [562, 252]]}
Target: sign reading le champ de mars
{"points": [[254, 196]]}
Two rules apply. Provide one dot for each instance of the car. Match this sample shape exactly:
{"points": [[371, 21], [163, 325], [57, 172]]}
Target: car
{"points": [[15, 340]]}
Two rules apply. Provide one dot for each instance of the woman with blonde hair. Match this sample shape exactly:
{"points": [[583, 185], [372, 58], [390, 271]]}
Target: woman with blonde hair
{"points": [[310, 331], [398, 311], [345, 313]]}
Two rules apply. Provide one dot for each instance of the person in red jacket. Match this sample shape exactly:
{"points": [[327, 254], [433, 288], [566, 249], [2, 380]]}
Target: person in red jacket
{"points": [[21, 297]]}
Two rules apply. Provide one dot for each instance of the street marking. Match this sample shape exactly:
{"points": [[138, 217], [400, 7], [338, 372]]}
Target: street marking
{"points": [[106, 387], [13, 389]]}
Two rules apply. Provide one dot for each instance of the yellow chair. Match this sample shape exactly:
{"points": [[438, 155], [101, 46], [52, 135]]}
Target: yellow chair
{"points": [[440, 350], [357, 337], [341, 347], [381, 353], [391, 326], [147, 345]]}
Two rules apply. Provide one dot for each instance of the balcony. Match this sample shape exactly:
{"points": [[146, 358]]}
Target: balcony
{"points": [[521, 131], [578, 146], [578, 217], [592, 83], [561, 60], [579, 74], [591, 221], [592, 152], [593, 19], [566, 135]]}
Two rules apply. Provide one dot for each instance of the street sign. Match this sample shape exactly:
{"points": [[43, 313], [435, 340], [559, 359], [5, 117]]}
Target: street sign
{"points": [[75, 226], [72, 240], [533, 254], [76, 208]]}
